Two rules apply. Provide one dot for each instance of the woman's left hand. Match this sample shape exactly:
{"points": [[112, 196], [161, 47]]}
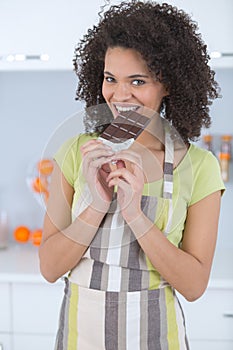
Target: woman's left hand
{"points": [[129, 183]]}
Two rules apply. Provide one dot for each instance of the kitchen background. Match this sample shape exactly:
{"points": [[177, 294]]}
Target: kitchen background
{"points": [[37, 95]]}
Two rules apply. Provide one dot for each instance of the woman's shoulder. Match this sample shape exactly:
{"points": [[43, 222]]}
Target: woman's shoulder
{"points": [[68, 156], [206, 173], [201, 157], [197, 151]]}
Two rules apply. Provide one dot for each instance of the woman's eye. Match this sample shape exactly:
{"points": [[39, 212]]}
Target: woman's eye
{"points": [[138, 82], [109, 79]]}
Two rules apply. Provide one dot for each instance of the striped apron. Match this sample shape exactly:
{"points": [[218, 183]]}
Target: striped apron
{"points": [[114, 299]]}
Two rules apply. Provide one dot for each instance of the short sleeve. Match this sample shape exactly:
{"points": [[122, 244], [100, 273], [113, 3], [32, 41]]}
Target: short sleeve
{"points": [[207, 179], [67, 158]]}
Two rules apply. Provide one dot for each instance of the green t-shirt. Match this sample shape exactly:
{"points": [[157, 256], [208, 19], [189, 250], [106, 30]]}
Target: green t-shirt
{"points": [[196, 176]]}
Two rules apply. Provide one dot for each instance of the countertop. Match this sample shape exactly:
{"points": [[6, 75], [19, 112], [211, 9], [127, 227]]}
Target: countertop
{"points": [[20, 263]]}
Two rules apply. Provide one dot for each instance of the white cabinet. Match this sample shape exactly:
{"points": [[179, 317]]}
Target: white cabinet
{"points": [[5, 342], [5, 308], [211, 345], [39, 304], [44, 27], [29, 315], [215, 23], [35, 312], [54, 27], [209, 320], [5, 317], [35, 342]]}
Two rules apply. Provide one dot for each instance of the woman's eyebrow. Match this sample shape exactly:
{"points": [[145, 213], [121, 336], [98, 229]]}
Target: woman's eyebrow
{"points": [[108, 73], [139, 76], [130, 76]]}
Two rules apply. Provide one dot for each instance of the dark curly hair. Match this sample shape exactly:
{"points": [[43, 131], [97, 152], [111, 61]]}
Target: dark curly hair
{"points": [[168, 41]]}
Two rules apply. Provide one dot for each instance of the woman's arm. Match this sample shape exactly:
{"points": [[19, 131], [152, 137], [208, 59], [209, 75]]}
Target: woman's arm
{"points": [[64, 243], [186, 269]]}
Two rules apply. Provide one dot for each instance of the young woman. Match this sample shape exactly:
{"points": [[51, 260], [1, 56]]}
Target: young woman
{"points": [[128, 234]]}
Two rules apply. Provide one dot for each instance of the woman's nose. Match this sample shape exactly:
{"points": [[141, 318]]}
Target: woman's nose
{"points": [[122, 92]]}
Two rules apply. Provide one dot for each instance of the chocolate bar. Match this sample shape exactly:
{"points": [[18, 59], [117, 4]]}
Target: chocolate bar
{"points": [[128, 125]]}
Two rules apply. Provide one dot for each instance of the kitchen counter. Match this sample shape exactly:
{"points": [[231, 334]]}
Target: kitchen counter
{"points": [[222, 269], [20, 263]]}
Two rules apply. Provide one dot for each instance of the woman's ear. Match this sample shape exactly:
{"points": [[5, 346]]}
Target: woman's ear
{"points": [[166, 91]]}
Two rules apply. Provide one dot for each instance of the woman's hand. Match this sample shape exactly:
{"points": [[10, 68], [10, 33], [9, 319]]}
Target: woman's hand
{"points": [[130, 183], [96, 157]]}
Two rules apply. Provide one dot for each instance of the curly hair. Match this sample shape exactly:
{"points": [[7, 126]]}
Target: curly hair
{"points": [[168, 41]]}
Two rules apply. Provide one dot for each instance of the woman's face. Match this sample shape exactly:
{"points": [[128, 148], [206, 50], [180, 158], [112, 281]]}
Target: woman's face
{"points": [[128, 83]]}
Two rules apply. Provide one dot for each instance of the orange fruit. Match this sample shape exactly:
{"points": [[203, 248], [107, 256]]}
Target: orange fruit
{"points": [[45, 166], [36, 237], [40, 185], [21, 233]]}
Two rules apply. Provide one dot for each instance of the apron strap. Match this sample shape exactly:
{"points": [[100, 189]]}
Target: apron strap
{"points": [[168, 177], [168, 166]]}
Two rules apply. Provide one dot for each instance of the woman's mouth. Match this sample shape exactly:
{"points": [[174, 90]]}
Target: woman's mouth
{"points": [[119, 108]]}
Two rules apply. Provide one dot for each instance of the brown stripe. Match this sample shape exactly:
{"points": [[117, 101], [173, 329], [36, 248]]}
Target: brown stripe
{"points": [[168, 168], [134, 249], [153, 320], [104, 280], [96, 275], [150, 206], [100, 243], [111, 320], [135, 280], [61, 339]]}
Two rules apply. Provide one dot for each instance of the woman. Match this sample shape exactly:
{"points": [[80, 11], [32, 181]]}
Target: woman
{"points": [[129, 236]]}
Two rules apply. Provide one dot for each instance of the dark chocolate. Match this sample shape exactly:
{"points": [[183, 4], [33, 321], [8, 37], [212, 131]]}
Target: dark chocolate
{"points": [[127, 125]]}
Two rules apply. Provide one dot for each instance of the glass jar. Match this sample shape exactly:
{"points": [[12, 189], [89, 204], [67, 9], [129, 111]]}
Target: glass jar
{"points": [[224, 159], [207, 141], [3, 229], [226, 144]]}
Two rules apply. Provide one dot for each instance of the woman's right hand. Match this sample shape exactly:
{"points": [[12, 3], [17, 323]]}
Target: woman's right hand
{"points": [[96, 157]]}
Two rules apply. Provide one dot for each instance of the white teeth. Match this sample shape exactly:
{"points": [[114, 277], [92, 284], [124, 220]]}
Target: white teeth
{"points": [[126, 109]]}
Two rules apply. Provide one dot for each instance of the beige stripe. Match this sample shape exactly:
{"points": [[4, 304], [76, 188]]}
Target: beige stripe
{"points": [[125, 245], [143, 261], [163, 319], [151, 207], [145, 281], [180, 324], [91, 315], [122, 321], [124, 279], [144, 320]]}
